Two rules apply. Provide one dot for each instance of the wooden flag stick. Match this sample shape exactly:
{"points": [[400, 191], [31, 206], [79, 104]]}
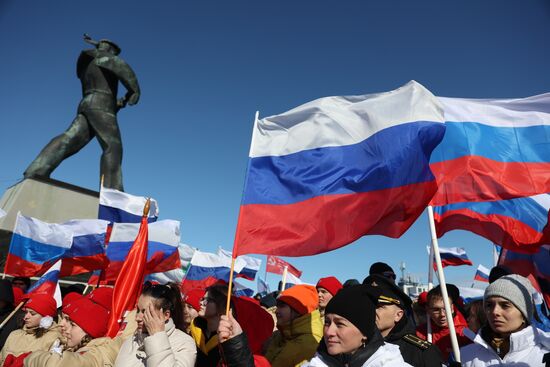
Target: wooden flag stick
{"points": [[147, 207], [230, 285], [12, 313]]}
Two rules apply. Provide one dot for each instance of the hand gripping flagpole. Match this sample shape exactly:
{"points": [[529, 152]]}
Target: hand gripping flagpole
{"points": [[236, 241], [450, 321]]}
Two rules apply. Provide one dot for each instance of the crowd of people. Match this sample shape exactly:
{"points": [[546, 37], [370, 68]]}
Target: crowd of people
{"points": [[373, 323]]}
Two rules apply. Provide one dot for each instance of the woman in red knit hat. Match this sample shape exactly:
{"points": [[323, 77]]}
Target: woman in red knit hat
{"points": [[83, 326], [191, 307], [327, 288], [39, 330]]}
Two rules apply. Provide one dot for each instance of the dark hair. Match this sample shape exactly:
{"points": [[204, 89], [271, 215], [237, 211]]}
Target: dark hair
{"points": [[167, 297], [218, 294], [479, 312], [25, 280], [498, 272]]}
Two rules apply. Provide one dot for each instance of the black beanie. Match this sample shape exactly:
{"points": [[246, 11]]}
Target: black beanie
{"points": [[357, 304], [380, 268]]}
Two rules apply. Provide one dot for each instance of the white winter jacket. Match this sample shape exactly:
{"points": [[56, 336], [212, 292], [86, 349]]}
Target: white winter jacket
{"points": [[527, 348], [388, 355], [164, 349]]}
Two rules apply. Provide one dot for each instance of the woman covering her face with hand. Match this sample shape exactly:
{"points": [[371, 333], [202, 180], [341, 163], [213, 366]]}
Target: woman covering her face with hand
{"points": [[350, 335], [159, 340], [509, 338]]}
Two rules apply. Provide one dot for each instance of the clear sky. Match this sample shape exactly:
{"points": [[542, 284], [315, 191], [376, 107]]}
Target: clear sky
{"points": [[206, 66]]}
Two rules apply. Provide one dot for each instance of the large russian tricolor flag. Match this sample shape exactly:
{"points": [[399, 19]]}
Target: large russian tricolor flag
{"points": [[453, 256], [87, 252], [493, 149], [35, 246], [119, 207], [332, 170], [519, 224], [162, 248]]}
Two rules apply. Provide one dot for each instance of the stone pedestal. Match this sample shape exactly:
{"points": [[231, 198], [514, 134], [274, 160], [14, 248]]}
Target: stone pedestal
{"points": [[46, 199]]}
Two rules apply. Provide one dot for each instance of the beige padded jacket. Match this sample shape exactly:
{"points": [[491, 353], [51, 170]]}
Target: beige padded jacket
{"points": [[170, 348]]}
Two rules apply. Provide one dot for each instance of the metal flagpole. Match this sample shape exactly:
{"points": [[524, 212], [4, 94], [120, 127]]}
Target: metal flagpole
{"points": [[443, 285]]}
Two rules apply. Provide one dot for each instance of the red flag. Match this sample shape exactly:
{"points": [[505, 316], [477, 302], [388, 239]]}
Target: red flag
{"points": [[130, 281], [277, 265]]}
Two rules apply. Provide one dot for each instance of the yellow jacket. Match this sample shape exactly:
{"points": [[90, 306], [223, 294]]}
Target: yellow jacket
{"points": [[24, 341], [296, 343]]}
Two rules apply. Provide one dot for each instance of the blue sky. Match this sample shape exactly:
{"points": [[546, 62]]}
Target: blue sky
{"points": [[205, 67]]}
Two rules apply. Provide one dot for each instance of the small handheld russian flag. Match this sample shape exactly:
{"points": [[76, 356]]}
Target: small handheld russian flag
{"points": [[482, 274]]}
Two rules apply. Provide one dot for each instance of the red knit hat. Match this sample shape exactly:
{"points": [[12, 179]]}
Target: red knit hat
{"points": [[70, 297], [301, 298], [331, 284], [91, 317], [193, 297], [42, 303], [103, 296]]}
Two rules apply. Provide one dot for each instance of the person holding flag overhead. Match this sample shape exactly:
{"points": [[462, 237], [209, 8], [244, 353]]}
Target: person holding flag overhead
{"points": [[39, 331]]}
